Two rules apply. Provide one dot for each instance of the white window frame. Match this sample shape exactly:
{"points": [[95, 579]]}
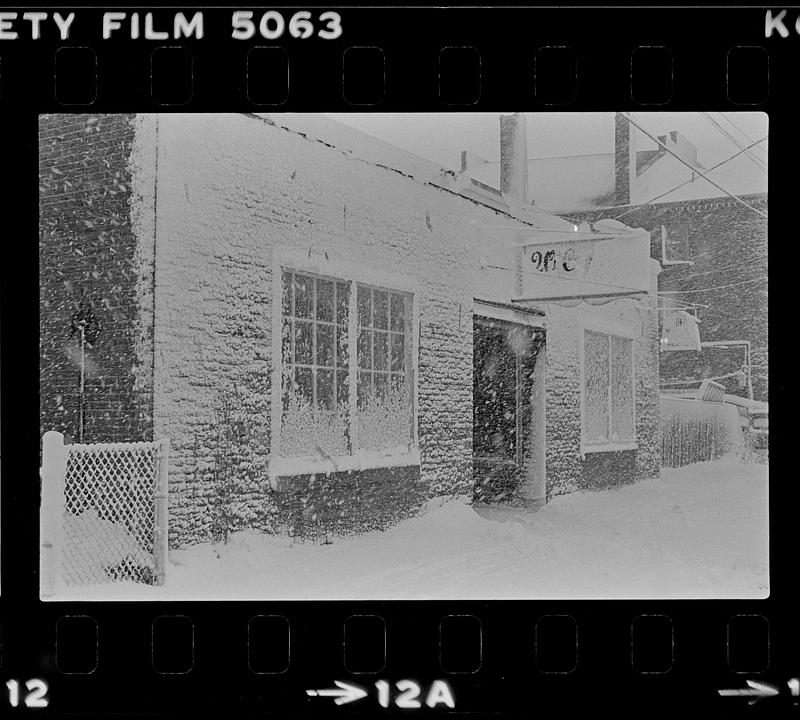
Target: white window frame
{"points": [[338, 269], [606, 326]]}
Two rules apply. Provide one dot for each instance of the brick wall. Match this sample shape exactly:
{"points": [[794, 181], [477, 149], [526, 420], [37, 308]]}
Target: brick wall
{"points": [[563, 401], [347, 502], [89, 270], [728, 244]]}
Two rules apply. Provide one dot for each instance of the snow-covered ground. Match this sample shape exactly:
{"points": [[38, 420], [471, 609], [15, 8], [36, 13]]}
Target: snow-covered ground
{"points": [[697, 532]]}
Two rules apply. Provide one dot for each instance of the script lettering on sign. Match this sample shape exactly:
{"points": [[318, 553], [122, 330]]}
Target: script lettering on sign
{"points": [[566, 259]]}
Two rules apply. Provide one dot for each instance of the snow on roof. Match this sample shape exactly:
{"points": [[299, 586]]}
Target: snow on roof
{"points": [[365, 147], [740, 176], [586, 182], [383, 154]]}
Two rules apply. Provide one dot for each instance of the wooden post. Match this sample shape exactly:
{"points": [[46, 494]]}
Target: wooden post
{"points": [[161, 539], [83, 381], [51, 530]]}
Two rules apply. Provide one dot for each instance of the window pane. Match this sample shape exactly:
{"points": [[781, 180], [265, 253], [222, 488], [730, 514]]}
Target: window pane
{"points": [[364, 352], [286, 341], [381, 319], [325, 389], [287, 387], [398, 352], [364, 388], [364, 307], [384, 418], [303, 342], [381, 384], [342, 300], [342, 389], [313, 431], [286, 294], [622, 406], [325, 300], [303, 384], [325, 345], [596, 388], [342, 360], [380, 351], [398, 312], [303, 296]]}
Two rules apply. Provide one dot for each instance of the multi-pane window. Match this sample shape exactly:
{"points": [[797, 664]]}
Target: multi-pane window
{"points": [[608, 395], [383, 354], [318, 350], [315, 370]]}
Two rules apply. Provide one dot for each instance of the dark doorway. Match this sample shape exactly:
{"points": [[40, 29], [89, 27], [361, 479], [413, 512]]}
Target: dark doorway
{"points": [[504, 455]]}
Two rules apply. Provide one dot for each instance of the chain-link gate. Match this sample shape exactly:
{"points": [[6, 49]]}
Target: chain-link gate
{"points": [[112, 500]]}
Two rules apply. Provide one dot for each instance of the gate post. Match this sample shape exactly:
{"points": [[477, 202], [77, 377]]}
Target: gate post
{"points": [[161, 540], [51, 516]]}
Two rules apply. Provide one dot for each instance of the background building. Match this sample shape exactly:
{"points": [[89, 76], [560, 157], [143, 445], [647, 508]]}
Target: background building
{"points": [[716, 245]]}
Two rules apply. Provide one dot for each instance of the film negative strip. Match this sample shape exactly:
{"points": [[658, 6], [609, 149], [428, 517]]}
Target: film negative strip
{"points": [[395, 360]]}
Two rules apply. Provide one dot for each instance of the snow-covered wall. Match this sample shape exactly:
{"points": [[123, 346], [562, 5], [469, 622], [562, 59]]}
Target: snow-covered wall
{"points": [[209, 205], [232, 189], [569, 467]]}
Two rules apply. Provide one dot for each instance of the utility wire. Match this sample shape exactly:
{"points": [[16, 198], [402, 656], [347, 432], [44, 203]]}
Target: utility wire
{"points": [[718, 287], [552, 212], [686, 182], [746, 136], [734, 140], [692, 168], [683, 304], [715, 271], [662, 383]]}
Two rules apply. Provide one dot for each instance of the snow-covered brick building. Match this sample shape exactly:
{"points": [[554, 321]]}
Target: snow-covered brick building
{"points": [[330, 330]]}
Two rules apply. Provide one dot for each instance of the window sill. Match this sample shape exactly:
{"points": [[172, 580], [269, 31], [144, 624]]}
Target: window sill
{"points": [[280, 467], [588, 449]]}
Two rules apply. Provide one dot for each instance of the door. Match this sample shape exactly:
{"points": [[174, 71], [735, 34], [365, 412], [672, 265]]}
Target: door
{"points": [[504, 365]]}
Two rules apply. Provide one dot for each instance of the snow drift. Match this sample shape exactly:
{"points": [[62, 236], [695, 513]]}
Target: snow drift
{"points": [[697, 532]]}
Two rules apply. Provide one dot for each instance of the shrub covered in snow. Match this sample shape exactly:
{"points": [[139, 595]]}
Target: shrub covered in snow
{"points": [[306, 430], [384, 420]]}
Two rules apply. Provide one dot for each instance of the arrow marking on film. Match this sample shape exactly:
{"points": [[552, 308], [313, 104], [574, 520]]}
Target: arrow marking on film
{"points": [[343, 693], [756, 691]]}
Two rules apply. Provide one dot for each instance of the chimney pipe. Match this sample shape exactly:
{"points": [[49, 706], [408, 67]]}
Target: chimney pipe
{"points": [[624, 159], [514, 156]]}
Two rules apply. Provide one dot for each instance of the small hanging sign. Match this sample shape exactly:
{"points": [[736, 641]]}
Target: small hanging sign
{"points": [[680, 332]]}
